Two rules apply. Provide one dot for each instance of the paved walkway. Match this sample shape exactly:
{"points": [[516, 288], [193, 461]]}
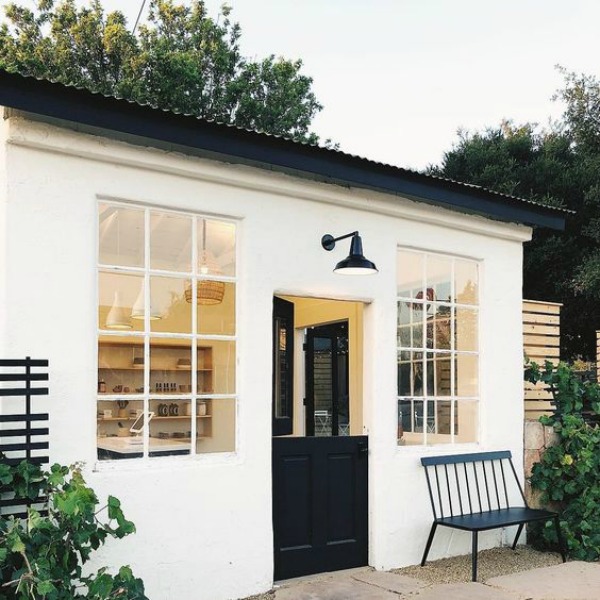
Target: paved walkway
{"points": [[569, 581]]}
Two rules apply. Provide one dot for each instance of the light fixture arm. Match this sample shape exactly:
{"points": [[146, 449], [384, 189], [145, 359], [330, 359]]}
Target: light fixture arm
{"points": [[328, 241]]}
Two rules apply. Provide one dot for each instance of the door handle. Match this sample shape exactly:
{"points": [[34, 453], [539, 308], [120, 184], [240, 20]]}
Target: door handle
{"points": [[362, 448]]}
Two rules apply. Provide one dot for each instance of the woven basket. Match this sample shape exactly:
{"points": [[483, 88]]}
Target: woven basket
{"points": [[207, 292]]}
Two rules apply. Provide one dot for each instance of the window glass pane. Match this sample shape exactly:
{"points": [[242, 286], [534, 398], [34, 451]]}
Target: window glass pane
{"points": [[438, 375], [121, 236], [407, 422], [216, 367], [466, 421], [119, 297], [466, 374], [216, 248], [439, 326], [216, 307], [281, 368], [410, 373], [216, 425], [120, 385], [120, 365], [438, 278], [410, 274], [170, 427], [170, 366], [410, 324], [466, 329], [169, 302], [442, 418], [170, 242], [466, 282]]}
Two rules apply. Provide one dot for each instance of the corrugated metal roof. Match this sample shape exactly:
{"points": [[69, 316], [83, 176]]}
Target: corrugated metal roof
{"points": [[318, 150]]}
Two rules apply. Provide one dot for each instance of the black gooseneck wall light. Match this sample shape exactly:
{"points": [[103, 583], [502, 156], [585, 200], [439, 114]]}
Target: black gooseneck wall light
{"points": [[355, 263]]}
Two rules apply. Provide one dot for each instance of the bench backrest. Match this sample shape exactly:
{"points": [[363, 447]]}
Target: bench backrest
{"points": [[462, 484]]}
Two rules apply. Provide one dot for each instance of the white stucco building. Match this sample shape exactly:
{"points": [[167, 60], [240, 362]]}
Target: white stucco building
{"points": [[141, 252]]}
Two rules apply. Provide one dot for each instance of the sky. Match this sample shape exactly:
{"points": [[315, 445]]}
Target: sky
{"points": [[399, 78]]}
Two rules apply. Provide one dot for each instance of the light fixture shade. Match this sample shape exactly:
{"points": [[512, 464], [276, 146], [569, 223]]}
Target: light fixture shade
{"points": [[207, 291], [118, 317], [137, 312], [356, 263]]}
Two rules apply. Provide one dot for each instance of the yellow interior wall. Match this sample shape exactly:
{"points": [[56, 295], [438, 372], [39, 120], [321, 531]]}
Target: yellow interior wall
{"points": [[309, 312]]}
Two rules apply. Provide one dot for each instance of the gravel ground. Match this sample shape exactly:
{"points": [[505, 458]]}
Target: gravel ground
{"points": [[491, 563]]}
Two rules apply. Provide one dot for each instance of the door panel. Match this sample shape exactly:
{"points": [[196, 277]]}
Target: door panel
{"points": [[320, 504], [327, 380], [283, 367]]}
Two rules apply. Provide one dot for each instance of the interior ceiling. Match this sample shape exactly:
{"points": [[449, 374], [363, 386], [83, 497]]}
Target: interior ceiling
{"points": [[122, 229]]}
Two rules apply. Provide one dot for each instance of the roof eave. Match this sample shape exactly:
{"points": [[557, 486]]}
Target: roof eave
{"points": [[70, 104]]}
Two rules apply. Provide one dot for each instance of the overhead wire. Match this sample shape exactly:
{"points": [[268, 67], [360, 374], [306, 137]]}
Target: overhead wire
{"points": [[139, 16]]}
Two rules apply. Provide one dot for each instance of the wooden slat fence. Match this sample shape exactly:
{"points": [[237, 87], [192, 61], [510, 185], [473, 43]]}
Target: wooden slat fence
{"points": [[541, 342], [23, 430]]}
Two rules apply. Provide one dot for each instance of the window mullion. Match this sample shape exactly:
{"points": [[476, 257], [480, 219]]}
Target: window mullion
{"points": [[193, 400], [146, 430]]}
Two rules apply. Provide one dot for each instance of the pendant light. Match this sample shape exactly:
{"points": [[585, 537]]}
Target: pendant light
{"points": [[137, 312], [118, 316], [207, 291], [355, 263]]}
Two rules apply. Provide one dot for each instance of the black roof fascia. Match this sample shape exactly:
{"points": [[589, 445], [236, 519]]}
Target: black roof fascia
{"points": [[68, 103]]}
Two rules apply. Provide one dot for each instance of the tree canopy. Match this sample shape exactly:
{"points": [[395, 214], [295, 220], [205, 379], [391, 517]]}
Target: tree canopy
{"points": [[557, 166], [180, 59]]}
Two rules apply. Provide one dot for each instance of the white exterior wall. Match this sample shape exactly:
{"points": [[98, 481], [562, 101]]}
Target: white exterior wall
{"points": [[204, 525]]}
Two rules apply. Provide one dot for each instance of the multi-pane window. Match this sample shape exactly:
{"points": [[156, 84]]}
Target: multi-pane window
{"points": [[438, 348], [166, 333]]}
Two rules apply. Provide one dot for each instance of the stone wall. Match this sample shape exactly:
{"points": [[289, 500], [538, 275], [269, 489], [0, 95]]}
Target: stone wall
{"points": [[537, 438]]}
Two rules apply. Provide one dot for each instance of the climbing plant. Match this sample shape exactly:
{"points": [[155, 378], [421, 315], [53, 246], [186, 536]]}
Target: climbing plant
{"points": [[42, 556], [567, 476]]}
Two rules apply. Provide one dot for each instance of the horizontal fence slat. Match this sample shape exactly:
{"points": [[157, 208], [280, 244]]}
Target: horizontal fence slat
{"points": [[23, 362], [20, 432], [537, 395], [541, 307], [532, 318], [24, 418], [36, 460], [23, 376], [23, 501], [539, 351], [530, 339], [541, 329], [24, 446], [23, 392]]}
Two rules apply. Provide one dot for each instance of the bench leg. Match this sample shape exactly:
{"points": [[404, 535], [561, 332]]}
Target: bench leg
{"points": [[521, 525], [429, 541], [474, 557], [561, 546]]}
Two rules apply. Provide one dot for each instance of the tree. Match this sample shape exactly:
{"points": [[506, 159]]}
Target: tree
{"points": [[181, 60], [560, 167]]}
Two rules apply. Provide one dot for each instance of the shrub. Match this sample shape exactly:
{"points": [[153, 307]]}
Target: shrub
{"points": [[568, 474], [42, 556]]}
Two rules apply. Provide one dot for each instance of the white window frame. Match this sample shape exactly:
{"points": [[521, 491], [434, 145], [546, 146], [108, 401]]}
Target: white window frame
{"points": [[147, 335], [451, 353]]}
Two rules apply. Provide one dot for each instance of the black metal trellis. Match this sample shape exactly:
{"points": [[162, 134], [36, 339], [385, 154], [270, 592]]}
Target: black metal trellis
{"points": [[22, 431]]}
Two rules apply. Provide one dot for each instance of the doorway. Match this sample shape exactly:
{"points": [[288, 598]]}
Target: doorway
{"points": [[320, 464]]}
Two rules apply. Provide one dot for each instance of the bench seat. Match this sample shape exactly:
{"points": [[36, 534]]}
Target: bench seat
{"points": [[493, 519]]}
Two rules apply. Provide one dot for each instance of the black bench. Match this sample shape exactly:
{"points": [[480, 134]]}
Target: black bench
{"points": [[469, 492]]}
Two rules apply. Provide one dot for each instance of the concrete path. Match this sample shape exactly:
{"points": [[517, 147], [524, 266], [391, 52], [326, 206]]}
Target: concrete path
{"points": [[570, 581]]}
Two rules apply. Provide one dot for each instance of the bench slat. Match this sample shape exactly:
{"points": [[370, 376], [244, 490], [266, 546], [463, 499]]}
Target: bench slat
{"points": [[429, 461]]}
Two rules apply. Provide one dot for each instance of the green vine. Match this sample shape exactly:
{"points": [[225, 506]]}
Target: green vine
{"points": [[568, 473], [42, 556]]}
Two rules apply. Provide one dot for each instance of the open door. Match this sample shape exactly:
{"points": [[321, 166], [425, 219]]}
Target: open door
{"points": [[283, 367], [327, 388]]}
